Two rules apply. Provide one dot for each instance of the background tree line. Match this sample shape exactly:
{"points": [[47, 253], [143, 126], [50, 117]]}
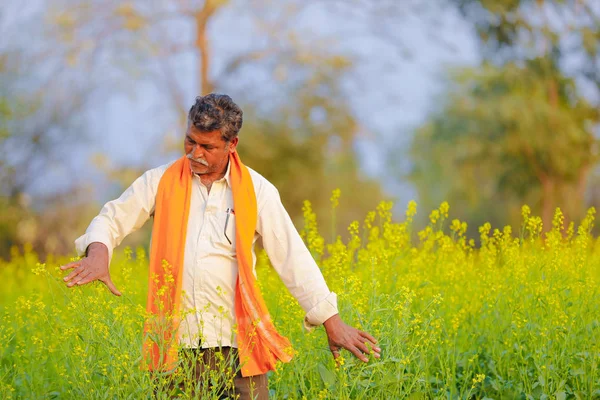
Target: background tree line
{"points": [[519, 127]]}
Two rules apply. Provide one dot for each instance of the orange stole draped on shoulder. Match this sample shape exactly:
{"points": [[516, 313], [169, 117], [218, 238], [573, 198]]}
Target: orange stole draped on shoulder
{"points": [[260, 345]]}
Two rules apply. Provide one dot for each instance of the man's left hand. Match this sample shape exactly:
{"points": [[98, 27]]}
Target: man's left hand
{"points": [[344, 336]]}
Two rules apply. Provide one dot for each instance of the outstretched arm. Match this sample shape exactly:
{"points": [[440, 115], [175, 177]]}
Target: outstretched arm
{"points": [[117, 219], [303, 278]]}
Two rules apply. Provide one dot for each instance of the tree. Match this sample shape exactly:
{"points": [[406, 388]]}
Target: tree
{"points": [[523, 127], [499, 136], [306, 148], [297, 113]]}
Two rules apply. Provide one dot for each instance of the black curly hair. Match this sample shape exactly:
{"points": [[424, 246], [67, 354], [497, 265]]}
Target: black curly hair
{"points": [[216, 112]]}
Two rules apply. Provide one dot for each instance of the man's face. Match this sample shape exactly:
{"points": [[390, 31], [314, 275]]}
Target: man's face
{"points": [[207, 151]]}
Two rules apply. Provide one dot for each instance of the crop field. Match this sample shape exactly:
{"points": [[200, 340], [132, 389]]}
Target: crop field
{"points": [[514, 314]]}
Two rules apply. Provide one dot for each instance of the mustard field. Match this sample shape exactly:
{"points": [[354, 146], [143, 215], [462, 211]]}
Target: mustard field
{"points": [[514, 314]]}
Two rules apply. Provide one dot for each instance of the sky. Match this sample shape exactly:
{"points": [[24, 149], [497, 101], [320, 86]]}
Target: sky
{"points": [[399, 62], [397, 84]]}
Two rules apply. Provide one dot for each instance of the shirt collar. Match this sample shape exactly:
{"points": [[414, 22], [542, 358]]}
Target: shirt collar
{"points": [[227, 178]]}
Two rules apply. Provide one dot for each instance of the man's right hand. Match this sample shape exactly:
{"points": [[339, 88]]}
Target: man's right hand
{"points": [[93, 266]]}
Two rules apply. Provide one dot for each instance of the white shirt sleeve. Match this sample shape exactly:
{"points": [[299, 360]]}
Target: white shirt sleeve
{"points": [[118, 218], [292, 260]]}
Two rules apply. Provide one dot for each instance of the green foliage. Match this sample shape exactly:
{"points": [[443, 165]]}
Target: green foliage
{"points": [[518, 128], [501, 135], [13, 214], [515, 318], [50, 230], [5, 115], [566, 32], [305, 157]]}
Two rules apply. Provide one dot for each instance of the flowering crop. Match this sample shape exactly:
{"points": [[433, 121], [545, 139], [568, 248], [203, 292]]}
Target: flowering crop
{"points": [[511, 315]]}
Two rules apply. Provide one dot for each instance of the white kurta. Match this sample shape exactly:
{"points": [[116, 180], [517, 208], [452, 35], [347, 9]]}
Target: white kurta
{"points": [[210, 264]]}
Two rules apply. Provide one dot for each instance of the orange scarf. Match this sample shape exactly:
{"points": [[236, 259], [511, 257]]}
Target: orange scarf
{"points": [[260, 345]]}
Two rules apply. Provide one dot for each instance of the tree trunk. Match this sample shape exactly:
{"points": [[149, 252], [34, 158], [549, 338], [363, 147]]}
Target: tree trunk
{"points": [[578, 197], [572, 197], [202, 18], [548, 186]]}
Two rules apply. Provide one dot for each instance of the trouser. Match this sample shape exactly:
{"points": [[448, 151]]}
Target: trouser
{"points": [[213, 374]]}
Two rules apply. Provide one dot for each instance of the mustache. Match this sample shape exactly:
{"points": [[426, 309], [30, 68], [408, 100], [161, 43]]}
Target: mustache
{"points": [[198, 160]]}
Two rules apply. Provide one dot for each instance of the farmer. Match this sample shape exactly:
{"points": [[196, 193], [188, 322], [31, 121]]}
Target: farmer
{"points": [[209, 209]]}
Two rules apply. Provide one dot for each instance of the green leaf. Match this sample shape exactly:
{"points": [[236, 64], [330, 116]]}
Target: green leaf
{"points": [[560, 395], [328, 377], [589, 40], [578, 371], [541, 380]]}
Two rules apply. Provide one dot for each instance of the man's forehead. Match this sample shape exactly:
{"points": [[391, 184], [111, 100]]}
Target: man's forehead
{"points": [[203, 136]]}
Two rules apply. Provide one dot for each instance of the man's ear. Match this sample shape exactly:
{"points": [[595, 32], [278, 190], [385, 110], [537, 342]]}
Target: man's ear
{"points": [[233, 144]]}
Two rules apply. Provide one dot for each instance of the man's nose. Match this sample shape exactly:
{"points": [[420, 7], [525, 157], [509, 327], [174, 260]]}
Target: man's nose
{"points": [[197, 152]]}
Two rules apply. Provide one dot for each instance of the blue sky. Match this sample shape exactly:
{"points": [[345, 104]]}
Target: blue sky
{"points": [[399, 62], [399, 84]]}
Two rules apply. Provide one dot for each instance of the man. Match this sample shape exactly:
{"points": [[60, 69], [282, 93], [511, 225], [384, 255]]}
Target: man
{"points": [[223, 208]]}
